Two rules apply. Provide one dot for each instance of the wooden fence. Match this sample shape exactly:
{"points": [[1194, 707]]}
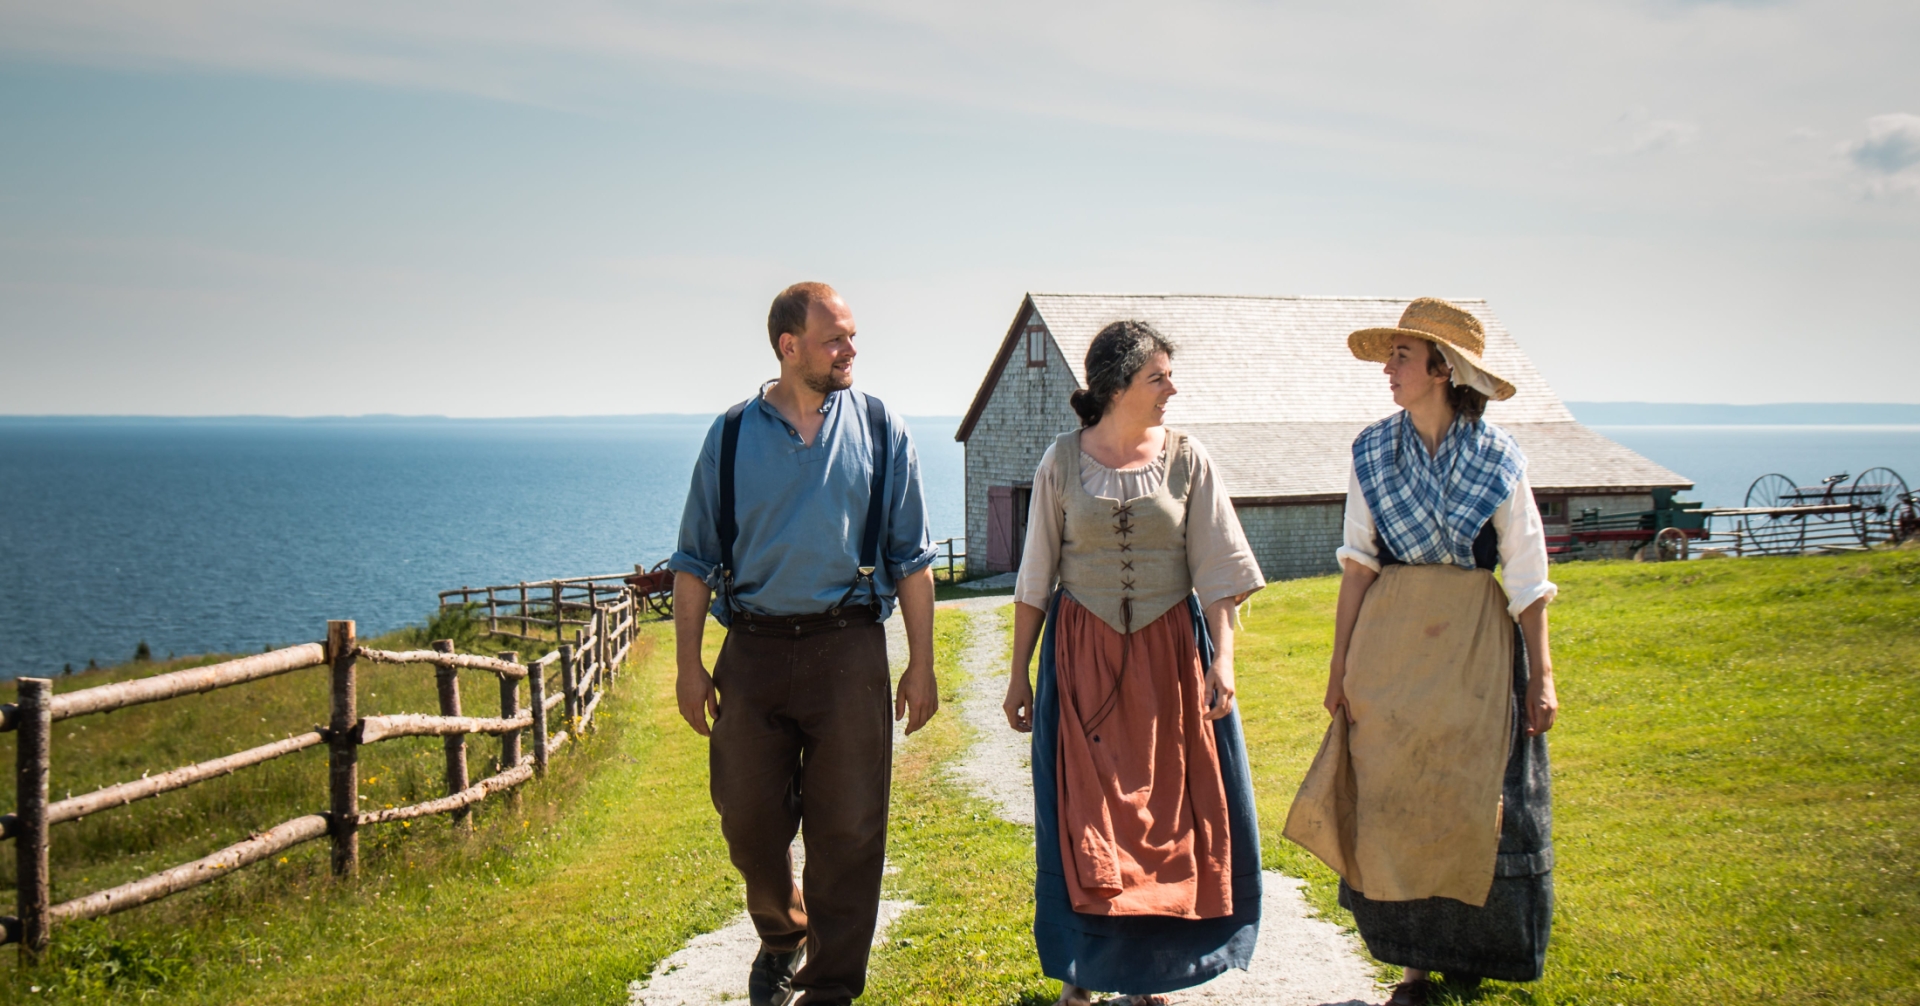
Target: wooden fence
{"points": [[953, 557], [546, 605], [585, 665]]}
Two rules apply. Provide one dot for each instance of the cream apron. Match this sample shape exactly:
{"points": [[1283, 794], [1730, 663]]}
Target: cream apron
{"points": [[1405, 803]]}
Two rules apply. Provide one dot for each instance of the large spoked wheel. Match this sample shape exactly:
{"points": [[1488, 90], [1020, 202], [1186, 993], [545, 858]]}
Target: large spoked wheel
{"points": [[660, 602], [1671, 544], [1774, 534], [1880, 494]]}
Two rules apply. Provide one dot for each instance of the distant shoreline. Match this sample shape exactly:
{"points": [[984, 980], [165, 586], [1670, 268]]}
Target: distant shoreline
{"points": [[1591, 413]]}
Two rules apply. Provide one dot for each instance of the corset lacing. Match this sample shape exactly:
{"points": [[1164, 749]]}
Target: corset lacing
{"points": [[1122, 529]]}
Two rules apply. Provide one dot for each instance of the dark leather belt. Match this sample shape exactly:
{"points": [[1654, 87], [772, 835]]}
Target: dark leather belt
{"points": [[800, 626]]}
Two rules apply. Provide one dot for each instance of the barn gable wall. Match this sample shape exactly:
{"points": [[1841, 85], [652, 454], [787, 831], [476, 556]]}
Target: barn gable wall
{"points": [[1027, 409]]}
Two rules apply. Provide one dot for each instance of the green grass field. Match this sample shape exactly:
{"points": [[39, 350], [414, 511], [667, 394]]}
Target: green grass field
{"points": [[1736, 815], [1734, 790]]}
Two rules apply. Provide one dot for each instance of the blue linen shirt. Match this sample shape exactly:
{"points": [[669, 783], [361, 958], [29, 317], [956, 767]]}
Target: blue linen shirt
{"points": [[802, 509]]}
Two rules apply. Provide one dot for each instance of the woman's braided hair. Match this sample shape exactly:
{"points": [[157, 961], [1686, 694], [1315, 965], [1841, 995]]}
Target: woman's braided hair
{"points": [[1117, 354]]}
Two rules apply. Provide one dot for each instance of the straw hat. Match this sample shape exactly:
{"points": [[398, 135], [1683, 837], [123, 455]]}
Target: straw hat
{"points": [[1457, 333]]}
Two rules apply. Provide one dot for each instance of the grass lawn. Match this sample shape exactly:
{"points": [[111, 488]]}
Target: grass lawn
{"points": [[1736, 815]]}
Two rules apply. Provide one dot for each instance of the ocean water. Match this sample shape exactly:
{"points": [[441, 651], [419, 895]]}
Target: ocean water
{"points": [[231, 535]]}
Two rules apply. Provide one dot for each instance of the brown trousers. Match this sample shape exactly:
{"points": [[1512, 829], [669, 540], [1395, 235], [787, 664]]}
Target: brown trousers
{"points": [[805, 737]]}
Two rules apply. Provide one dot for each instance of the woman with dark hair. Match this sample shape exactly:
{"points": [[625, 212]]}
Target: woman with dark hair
{"points": [[1147, 847], [1429, 796]]}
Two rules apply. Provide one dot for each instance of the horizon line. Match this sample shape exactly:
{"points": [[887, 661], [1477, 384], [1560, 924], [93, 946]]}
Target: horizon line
{"points": [[561, 417]]}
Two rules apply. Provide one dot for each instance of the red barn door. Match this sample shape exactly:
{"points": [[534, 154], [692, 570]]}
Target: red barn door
{"points": [[1001, 549]]}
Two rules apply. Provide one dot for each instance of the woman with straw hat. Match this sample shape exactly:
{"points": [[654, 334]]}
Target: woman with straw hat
{"points": [[1146, 841], [1429, 796]]}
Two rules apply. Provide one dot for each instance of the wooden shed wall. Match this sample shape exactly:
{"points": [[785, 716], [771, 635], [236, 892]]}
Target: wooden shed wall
{"points": [[1027, 409]]}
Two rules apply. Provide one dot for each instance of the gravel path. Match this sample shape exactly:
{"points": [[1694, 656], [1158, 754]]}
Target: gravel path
{"points": [[1301, 960], [999, 765]]}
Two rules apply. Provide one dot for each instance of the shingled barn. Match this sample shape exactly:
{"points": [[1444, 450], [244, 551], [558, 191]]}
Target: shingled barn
{"points": [[1268, 385]]}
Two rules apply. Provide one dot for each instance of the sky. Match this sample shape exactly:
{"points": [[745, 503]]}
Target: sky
{"points": [[298, 207]]}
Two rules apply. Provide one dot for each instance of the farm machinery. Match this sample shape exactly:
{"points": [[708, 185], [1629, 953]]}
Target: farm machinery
{"points": [[1779, 517]]}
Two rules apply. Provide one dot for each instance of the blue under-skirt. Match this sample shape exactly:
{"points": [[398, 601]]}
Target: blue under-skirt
{"points": [[1139, 954]]}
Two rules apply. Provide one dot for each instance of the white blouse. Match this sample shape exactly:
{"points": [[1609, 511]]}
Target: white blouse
{"points": [[1523, 543], [1219, 559]]}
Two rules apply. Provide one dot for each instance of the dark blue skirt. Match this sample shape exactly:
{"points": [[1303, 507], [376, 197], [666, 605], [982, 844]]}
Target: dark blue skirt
{"points": [[1139, 954]]}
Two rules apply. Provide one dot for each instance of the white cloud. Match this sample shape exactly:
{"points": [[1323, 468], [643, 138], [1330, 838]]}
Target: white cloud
{"points": [[1892, 144], [1889, 155]]}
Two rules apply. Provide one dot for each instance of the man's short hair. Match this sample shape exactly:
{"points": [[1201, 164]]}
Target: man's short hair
{"points": [[789, 313]]}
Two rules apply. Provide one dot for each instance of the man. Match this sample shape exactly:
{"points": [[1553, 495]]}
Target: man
{"points": [[820, 529]]}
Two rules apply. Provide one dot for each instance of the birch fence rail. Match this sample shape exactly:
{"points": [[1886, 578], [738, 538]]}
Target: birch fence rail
{"points": [[605, 623]]}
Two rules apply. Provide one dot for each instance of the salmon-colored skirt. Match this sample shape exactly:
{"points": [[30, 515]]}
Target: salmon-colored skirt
{"points": [[1143, 809]]}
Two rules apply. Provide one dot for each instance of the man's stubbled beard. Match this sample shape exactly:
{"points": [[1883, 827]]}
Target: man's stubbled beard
{"points": [[829, 382]]}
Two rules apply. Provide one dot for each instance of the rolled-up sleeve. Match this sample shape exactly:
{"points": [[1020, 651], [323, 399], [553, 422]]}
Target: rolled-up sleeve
{"points": [[1357, 534], [698, 551], [1523, 550], [909, 545]]}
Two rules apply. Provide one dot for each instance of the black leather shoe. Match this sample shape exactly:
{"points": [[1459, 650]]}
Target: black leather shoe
{"points": [[770, 983]]}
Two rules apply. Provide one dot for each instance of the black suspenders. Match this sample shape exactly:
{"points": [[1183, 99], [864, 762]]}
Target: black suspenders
{"points": [[729, 525]]}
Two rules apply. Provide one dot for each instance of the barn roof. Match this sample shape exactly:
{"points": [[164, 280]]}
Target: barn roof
{"points": [[1268, 384]]}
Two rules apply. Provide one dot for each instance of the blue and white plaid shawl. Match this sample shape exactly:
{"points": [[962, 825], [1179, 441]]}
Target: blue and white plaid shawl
{"points": [[1428, 509]]}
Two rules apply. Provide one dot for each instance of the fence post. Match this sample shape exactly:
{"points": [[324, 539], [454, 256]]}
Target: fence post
{"points": [[493, 612], [614, 629], [583, 671], [537, 697], [586, 650], [33, 759], [569, 689], [447, 680], [605, 639], [597, 662], [557, 621], [343, 766], [632, 627], [509, 708], [523, 607]]}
